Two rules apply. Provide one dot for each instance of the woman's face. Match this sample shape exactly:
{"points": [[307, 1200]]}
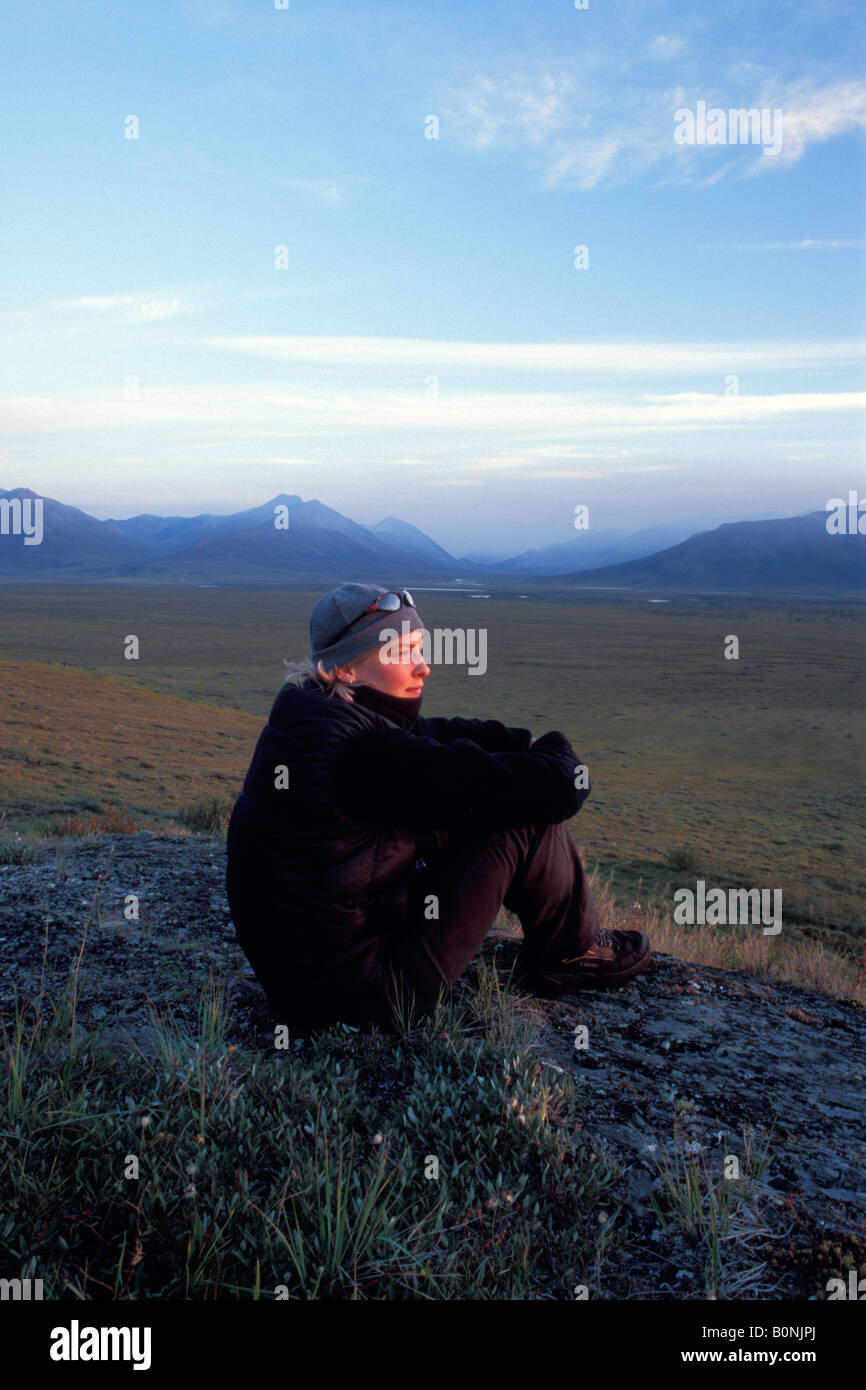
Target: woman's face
{"points": [[404, 678]]}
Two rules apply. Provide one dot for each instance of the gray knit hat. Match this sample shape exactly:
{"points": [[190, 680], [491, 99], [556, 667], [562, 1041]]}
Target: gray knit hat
{"points": [[341, 630]]}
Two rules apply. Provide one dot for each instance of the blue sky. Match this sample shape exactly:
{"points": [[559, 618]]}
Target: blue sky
{"points": [[430, 350]]}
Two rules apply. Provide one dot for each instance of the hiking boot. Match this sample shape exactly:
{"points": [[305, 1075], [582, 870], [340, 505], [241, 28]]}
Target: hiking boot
{"points": [[613, 958]]}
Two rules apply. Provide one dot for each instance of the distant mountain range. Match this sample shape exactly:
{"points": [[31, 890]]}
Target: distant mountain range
{"points": [[592, 549], [793, 555], [238, 549]]}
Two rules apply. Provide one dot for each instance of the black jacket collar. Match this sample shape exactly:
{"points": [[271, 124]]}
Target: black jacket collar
{"points": [[402, 711]]}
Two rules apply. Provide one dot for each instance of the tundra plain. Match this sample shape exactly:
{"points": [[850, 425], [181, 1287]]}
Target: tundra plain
{"points": [[744, 773]]}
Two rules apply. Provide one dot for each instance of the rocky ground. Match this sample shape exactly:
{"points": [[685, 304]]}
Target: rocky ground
{"points": [[694, 1062], [684, 1063]]}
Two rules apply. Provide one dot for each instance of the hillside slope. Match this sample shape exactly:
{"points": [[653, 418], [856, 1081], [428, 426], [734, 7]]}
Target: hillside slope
{"points": [[71, 739], [73, 546], [793, 555]]}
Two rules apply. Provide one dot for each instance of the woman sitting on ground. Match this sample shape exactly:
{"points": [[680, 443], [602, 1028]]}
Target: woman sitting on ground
{"points": [[371, 849]]}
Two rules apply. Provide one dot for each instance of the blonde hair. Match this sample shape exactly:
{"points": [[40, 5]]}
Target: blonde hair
{"points": [[328, 680]]}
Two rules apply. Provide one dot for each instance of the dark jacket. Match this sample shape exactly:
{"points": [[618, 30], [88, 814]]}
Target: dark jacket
{"points": [[321, 870]]}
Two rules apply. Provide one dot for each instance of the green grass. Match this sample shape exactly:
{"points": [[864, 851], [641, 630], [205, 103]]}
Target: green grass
{"points": [[437, 1163], [709, 1209], [209, 817]]}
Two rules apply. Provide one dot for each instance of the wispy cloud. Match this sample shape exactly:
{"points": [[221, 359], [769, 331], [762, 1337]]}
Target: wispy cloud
{"points": [[300, 414], [519, 108], [521, 467], [579, 129], [526, 464], [107, 309], [557, 451], [328, 192], [609, 358], [268, 459], [666, 46], [807, 244], [813, 114]]}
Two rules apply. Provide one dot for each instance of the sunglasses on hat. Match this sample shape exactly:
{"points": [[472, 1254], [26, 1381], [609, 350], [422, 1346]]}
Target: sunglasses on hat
{"points": [[384, 603]]}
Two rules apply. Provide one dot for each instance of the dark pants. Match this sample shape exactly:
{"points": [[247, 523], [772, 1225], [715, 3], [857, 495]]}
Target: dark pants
{"points": [[534, 871]]}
